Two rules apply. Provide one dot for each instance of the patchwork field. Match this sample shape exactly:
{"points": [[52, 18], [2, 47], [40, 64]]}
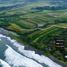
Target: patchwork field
{"points": [[38, 29]]}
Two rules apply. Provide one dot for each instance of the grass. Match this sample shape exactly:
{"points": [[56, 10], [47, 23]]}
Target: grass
{"points": [[36, 29], [62, 25]]}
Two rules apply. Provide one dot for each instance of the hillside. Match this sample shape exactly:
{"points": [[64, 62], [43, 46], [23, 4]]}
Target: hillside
{"points": [[34, 25]]}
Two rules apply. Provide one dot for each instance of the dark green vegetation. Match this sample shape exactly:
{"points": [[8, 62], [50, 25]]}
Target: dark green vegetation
{"points": [[38, 29]]}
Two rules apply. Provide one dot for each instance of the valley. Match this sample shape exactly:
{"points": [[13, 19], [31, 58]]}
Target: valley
{"points": [[35, 26], [37, 29]]}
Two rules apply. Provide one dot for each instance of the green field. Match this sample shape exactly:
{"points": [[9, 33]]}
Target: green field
{"points": [[37, 29]]}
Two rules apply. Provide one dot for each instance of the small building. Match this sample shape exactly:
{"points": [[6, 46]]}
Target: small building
{"points": [[66, 57], [59, 43]]}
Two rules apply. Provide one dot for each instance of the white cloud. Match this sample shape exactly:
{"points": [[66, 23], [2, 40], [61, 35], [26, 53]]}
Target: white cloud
{"points": [[4, 64], [41, 59], [16, 59]]}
